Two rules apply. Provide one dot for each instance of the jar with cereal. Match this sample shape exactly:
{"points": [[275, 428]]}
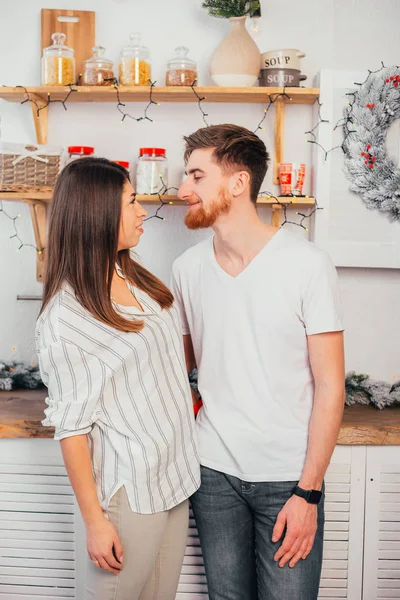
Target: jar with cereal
{"points": [[181, 70], [134, 66], [58, 62], [98, 69]]}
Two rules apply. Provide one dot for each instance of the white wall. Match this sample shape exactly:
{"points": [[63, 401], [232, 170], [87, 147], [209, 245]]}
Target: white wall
{"points": [[333, 33]]}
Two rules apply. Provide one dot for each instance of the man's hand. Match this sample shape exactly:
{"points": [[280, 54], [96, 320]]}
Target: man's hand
{"points": [[300, 520], [103, 546]]}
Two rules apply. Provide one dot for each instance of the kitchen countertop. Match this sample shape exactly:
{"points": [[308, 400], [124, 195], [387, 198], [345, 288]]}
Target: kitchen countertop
{"points": [[21, 413]]}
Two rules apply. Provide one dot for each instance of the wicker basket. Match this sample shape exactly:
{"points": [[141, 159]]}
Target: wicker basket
{"points": [[26, 166]]}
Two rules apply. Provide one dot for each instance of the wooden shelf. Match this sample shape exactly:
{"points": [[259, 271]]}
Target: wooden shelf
{"points": [[46, 197], [253, 95]]}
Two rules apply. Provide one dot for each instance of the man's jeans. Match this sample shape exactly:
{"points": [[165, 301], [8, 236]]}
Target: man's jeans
{"points": [[235, 520]]}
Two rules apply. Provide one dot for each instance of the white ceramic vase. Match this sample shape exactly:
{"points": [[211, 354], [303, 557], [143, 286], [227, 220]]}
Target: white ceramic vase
{"points": [[236, 61]]}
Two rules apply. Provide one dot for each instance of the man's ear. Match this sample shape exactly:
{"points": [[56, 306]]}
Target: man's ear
{"points": [[240, 181]]}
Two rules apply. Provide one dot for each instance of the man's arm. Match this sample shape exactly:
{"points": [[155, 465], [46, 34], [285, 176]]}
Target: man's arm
{"points": [[326, 355], [190, 360]]}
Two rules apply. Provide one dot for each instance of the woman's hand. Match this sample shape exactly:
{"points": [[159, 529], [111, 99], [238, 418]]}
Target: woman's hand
{"points": [[103, 545]]}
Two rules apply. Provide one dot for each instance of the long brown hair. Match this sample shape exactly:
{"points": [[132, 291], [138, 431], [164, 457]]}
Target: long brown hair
{"points": [[82, 246], [234, 149]]}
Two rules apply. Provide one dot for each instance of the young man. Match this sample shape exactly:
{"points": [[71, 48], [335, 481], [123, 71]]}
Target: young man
{"points": [[261, 320]]}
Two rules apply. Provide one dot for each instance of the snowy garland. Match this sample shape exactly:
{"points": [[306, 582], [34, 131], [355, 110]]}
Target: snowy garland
{"points": [[17, 375], [373, 174]]}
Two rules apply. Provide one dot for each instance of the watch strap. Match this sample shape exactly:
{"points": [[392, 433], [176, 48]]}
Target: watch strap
{"points": [[310, 496]]}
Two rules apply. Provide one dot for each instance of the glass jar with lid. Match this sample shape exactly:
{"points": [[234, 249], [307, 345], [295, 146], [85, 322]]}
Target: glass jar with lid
{"points": [[134, 66], [122, 163], [98, 70], [151, 171], [181, 70], [75, 152], [58, 62]]}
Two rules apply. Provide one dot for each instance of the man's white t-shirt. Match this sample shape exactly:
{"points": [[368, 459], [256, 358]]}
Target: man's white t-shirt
{"points": [[249, 336]]}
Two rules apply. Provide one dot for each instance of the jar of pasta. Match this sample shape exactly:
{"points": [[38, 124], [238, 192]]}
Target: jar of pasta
{"points": [[98, 69], [134, 66], [181, 70], [58, 62]]}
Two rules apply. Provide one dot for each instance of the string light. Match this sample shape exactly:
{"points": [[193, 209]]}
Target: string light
{"points": [[199, 101], [343, 122], [16, 234], [285, 205], [120, 104], [271, 101], [49, 100], [163, 192]]}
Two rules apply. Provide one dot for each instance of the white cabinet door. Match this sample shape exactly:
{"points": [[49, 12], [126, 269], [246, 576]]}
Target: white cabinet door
{"points": [[344, 520], [382, 524], [192, 583], [37, 522]]}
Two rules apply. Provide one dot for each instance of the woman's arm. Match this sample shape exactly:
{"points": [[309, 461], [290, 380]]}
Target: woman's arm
{"points": [[103, 544]]}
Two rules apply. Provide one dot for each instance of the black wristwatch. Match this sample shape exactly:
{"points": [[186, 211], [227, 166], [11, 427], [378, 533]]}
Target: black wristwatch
{"points": [[310, 496]]}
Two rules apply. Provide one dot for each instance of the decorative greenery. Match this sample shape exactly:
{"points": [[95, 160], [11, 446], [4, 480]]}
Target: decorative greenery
{"points": [[226, 9], [360, 389], [363, 390], [16, 376]]}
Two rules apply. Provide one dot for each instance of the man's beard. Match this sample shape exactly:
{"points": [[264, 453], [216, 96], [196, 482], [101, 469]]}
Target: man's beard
{"points": [[202, 217]]}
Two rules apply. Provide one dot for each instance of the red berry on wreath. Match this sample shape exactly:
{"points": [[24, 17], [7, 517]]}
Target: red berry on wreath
{"points": [[362, 153], [373, 159], [387, 80], [391, 78], [368, 146], [366, 162]]}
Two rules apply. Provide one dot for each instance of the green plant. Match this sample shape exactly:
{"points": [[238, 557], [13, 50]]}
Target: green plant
{"points": [[225, 9]]}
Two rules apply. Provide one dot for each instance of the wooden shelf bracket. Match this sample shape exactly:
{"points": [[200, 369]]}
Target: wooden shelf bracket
{"points": [[40, 117], [38, 215]]}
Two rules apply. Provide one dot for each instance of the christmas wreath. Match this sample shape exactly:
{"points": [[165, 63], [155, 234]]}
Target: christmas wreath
{"points": [[371, 111]]}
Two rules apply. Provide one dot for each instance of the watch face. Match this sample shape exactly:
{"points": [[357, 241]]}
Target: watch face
{"points": [[314, 497]]}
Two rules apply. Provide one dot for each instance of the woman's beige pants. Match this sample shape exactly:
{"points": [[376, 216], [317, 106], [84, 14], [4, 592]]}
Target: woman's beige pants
{"points": [[153, 548]]}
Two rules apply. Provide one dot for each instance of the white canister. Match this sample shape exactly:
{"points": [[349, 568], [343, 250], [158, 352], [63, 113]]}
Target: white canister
{"points": [[287, 58], [151, 171]]}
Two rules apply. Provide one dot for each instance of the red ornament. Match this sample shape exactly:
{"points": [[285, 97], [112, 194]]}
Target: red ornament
{"points": [[368, 146], [373, 159], [395, 84], [362, 153], [391, 78], [387, 80], [366, 162], [371, 166]]}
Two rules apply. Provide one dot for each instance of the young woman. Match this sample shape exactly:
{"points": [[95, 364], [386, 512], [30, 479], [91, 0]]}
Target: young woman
{"points": [[111, 355]]}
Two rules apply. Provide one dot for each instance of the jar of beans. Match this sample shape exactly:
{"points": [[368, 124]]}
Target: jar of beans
{"points": [[98, 69], [58, 62], [134, 65], [181, 70]]}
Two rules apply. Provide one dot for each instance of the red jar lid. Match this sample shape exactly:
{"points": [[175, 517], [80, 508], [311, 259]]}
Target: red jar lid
{"points": [[152, 151], [80, 150], [122, 163]]}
